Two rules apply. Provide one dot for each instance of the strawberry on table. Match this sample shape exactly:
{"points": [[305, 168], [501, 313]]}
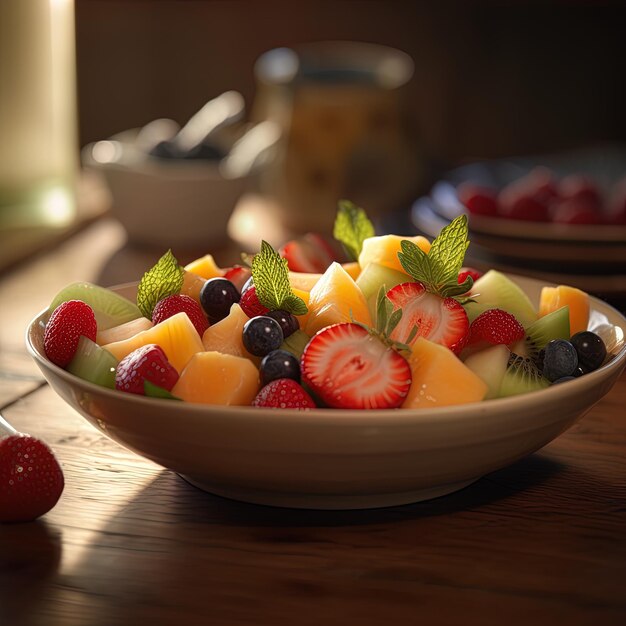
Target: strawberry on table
{"points": [[349, 367], [31, 479], [284, 393], [147, 364], [68, 322]]}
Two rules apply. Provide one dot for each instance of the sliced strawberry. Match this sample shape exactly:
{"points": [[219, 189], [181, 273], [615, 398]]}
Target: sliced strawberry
{"points": [[31, 479], [310, 253], [238, 275], [495, 326], [146, 363], [440, 320], [250, 304], [180, 303], [348, 368], [68, 322], [284, 393]]}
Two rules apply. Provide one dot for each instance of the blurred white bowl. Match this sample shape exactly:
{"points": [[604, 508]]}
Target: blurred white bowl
{"points": [[179, 203]]}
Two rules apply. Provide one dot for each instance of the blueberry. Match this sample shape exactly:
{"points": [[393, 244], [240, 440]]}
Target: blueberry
{"points": [[590, 349], [216, 297], [560, 359], [261, 335], [279, 364], [288, 322], [563, 379]]}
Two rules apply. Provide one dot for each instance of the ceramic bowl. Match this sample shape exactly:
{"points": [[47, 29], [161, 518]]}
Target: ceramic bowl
{"points": [[170, 203], [335, 459]]}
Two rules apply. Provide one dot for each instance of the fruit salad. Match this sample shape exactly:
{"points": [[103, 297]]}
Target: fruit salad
{"points": [[398, 323]]}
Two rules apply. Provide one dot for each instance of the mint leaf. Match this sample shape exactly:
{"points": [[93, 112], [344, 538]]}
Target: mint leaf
{"points": [[439, 269], [352, 227], [271, 281], [448, 250], [163, 279], [154, 391]]}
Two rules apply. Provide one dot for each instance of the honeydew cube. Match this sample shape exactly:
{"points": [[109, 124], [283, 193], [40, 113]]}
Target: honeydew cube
{"points": [[216, 378], [490, 365], [440, 378], [123, 331]]}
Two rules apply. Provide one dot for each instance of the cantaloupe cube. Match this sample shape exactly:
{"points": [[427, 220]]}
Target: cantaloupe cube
{"points": [[123, 331], [440, 378], [306, 281], [384, 250], [205, 267], [335, 298], [226, 335], [553, 298], [176, 335], [216, 378], [192, 285]]}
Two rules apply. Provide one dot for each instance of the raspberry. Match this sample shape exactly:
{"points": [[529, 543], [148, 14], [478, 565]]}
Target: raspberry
{"points": [[68, 322], [181, 303]]}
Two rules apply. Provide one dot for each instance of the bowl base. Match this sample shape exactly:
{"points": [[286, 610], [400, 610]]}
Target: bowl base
{"points": [[329, 502]]}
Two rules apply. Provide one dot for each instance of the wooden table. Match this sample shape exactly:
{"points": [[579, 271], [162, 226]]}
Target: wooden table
{"points": [[540, 542]]}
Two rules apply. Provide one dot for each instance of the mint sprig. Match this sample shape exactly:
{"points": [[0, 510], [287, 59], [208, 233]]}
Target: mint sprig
{"points": [[352, 227], [270, 275], [386, 321], [163, 279], [438, 270]]}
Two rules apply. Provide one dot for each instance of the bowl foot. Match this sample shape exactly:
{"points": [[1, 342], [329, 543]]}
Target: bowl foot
{"points": [[335, 502]]}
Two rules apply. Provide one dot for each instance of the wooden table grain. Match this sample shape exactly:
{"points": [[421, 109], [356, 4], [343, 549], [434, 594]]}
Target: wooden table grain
{"points": [[540, 542]]}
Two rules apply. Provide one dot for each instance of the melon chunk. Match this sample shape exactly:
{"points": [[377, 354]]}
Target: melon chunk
{"points": [[205, 267], [440, 378], [123, 331], [335, 298], [176, 335], [216, 378], [553, 298], [306, 281], [384, 250], [490, 365], [494, 290], [192, 285], [225, 336]]}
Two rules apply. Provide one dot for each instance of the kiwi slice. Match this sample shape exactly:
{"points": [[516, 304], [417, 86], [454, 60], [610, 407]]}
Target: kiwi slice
{"points": [[554, 325], [110, 308], [494, 290], [521, 376], [295, 343], [93, 363]]}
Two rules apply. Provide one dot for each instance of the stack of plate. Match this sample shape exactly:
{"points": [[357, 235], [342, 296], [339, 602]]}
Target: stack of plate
{"points": [[591, 257]]}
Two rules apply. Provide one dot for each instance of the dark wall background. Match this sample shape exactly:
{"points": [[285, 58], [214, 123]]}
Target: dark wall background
{"points": [[491, 79]]}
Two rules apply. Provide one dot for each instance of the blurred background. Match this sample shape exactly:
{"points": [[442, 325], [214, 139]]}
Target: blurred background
{"points": [[456, 82], [492, 78]]}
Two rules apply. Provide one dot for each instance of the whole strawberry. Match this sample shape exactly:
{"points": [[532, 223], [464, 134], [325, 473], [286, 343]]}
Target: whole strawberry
{"points": [[31, 479], [180, 303], [250, 304], [68, 322], [284, 393], [495, 326], [148, 363]]}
